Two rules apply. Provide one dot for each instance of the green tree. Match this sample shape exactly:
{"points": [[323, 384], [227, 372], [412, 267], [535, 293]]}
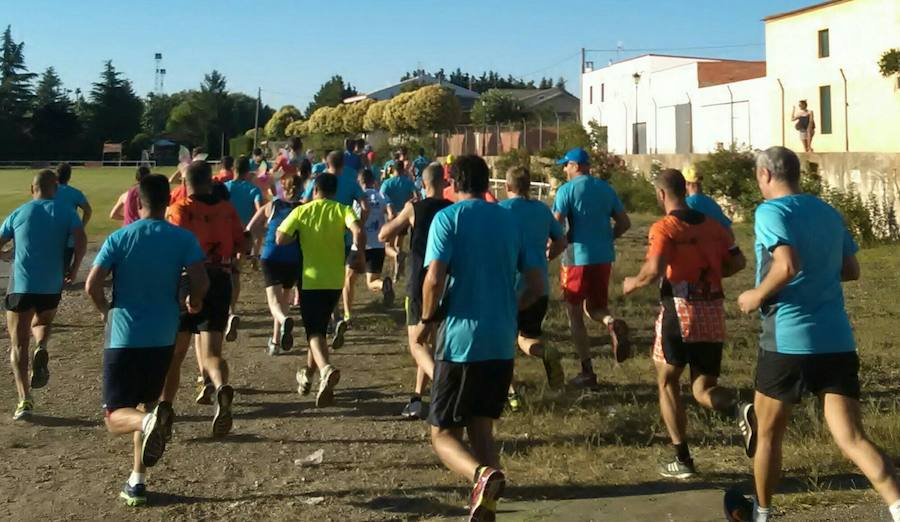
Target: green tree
{"points": [[330, 94], [496, 107], [157, 108], [279, 121], [374, 118], [115, 110], [295, 128], [50, 89], [189, 120], [354, 116], [889, 64], [55, 128], [15, 96], [433, 108], [396, 114]]}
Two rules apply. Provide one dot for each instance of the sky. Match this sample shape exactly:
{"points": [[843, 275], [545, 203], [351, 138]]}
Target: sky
{"points": [[288, 48]]}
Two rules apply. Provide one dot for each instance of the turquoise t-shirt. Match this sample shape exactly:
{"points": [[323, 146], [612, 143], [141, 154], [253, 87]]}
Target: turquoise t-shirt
{"points": [[538, 225], [483, 248], [244, 197], [72, 197], [708, 207], [807, 316], [319, 167], [588, 204], [40, 229], [348, 189], [150, 251], [399, 190]]}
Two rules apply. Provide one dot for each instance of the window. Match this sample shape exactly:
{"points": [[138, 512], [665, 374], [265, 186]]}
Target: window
{"points": [[824, 50], [602, 92], [591, 95], [825, 108]]}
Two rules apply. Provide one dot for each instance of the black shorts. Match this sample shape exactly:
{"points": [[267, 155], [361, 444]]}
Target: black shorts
{"points": [[374, 260], [278, 273], [531, 319], [133, 376], [787, 377], [40, 303], [214, 315], [463, 391], [316, 307], [413, 310]]}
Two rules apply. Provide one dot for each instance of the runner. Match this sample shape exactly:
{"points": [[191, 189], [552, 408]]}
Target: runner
{"points": [[700, 202], [129, 203], [227, 172], [539, 228], [40, 231], [319, 227], [379, 213], [258, 161], [691, 253], [398, 189], [804, 251], [141, 324], [418, 166], [247, 200], [585, 205], [217, 227], [74, 198], [281, 265], [418, 217], [288, 163], [351, 159], [477, 333]]}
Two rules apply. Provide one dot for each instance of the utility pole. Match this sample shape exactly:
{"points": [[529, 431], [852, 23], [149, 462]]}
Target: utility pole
{"points": [[256, 120], [582, 60]]}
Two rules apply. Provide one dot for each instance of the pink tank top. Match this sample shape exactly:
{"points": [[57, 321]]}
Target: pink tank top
{"points": [[132, 206]]}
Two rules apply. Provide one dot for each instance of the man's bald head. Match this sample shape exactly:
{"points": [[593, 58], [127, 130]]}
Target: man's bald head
{"points": [[433, 174], [43, 186], [671, 181]]}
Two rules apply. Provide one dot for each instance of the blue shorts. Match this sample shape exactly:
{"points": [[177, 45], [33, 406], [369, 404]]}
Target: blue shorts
{"points": [[133, 376]]}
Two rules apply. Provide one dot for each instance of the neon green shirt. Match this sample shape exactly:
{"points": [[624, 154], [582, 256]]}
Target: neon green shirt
{"points": [[320, 225]]}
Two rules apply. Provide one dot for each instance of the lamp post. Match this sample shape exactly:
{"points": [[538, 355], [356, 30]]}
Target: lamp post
{"points": [[634, 144]]}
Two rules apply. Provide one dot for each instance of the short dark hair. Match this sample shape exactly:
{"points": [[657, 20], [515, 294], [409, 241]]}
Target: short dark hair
{"points": [[350, 144], [257, 151], [197, 150], [243, 165], [519, 178], [305, 170], [199, 174], [64, 173], [367, 176], [782, 162], [672, 182], [296, 143], [471, 174], [421, 151], [45, 180], [360, 143], [327, 184], [154, 192], [141, 172], [335, 160], [228, 162]]}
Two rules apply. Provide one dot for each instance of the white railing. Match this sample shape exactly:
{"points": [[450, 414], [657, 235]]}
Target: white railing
{"points": [[19, 164], [538, 190]]}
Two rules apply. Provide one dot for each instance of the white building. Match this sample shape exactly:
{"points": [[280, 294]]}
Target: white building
{"points": [[677, 104]]}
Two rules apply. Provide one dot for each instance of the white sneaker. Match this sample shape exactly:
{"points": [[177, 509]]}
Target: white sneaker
{"points": [[304, 381], [328, 379]]}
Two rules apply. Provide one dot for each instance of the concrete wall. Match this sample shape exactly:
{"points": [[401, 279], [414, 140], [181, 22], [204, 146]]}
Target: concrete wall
{"points": [[859, 32]]}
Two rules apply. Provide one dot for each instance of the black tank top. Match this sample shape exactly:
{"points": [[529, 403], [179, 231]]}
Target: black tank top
{"points": [[423, 212]]}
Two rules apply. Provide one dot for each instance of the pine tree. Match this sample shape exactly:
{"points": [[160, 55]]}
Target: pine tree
{"points": [[115, 110], [330, 94]]}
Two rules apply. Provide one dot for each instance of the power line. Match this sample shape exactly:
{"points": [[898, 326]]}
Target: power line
{"points": [[542, 69], [662, 49]]}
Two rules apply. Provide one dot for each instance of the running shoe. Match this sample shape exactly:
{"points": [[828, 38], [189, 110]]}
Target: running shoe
{"points": [[487, 490], [205, 392], [23, 410], [747, 425], [286, 339], [513, 401], [135, 495], [40, 373], [166, 418], [154, 443], [620, 340], [677, 469], [553, 367], [222, 420], [272, 348], [231, 330], [328, 379], [414, 409], [738, 508], [584, 380], [387, 289], [340, 329], [304, 381]]}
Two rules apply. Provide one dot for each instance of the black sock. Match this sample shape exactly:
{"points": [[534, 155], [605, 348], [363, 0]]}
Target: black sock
{"points": [[682, 453], [415, 398], [586, 366]]}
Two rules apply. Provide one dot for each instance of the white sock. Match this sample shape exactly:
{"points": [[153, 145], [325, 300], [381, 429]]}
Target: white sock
{"points": [[135, 478], [145, 421], [608, 320], [895, 510], [760, 514]]}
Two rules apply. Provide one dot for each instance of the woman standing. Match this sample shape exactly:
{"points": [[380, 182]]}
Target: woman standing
{"points": [[805, 124]]}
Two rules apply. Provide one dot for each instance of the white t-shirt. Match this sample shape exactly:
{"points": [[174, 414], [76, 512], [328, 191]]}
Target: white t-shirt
{"points": [[378, 205]]}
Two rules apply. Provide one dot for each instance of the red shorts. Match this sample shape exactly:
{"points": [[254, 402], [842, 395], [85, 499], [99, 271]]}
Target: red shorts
{"points": [[588, 283]]}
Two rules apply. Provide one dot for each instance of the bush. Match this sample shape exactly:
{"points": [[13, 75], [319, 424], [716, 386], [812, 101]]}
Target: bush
{"points": [[730, 173]]}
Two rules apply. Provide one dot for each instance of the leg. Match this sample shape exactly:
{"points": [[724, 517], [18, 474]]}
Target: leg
{"points": [[374, 282], [670, 406], [772, 416], [845, 423], [19, 326], [199, 355], [420, 353], [531, 347], [449, 446], [481, 438], [709, 394], [173, 378], [349, 283], [318, 350], [275, 297], [579, 330], [421, 381], [215, 365], [40, 326], [235, 291]]}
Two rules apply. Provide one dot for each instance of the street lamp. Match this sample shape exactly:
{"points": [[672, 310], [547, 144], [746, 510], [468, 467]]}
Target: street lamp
{"points": [[634, 137]]}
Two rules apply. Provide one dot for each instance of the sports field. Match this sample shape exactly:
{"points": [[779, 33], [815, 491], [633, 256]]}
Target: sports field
{"points": [[600, 447]]}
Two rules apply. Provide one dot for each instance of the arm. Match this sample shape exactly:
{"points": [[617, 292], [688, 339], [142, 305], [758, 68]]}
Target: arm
{"points": [[534, 287], [785, 266], [432, 292], [118, 211], [794, 116], [284, 239], [86, 212], [364, 209], [397, 225], [262, 214], [199, 282], [850, 270], [622, 224], [5, 255], [557, 247], [359, 241], [80, 249], [94, 288], [650, 271]]}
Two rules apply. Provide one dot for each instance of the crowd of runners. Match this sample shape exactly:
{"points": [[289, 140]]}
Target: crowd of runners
{"points": [[476, 291]]}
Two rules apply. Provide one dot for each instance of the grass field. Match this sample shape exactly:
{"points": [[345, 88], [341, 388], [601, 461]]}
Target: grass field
{"points": [[562, 445]]}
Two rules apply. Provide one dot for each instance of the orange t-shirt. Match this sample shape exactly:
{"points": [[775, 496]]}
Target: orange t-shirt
{"points": [[223, 176], [214, 222], [694, 248], [450, 195], [286, 165], [178, 194]]}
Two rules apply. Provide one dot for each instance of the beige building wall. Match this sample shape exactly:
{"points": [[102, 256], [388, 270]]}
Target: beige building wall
{"points": [[859, 31]]}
